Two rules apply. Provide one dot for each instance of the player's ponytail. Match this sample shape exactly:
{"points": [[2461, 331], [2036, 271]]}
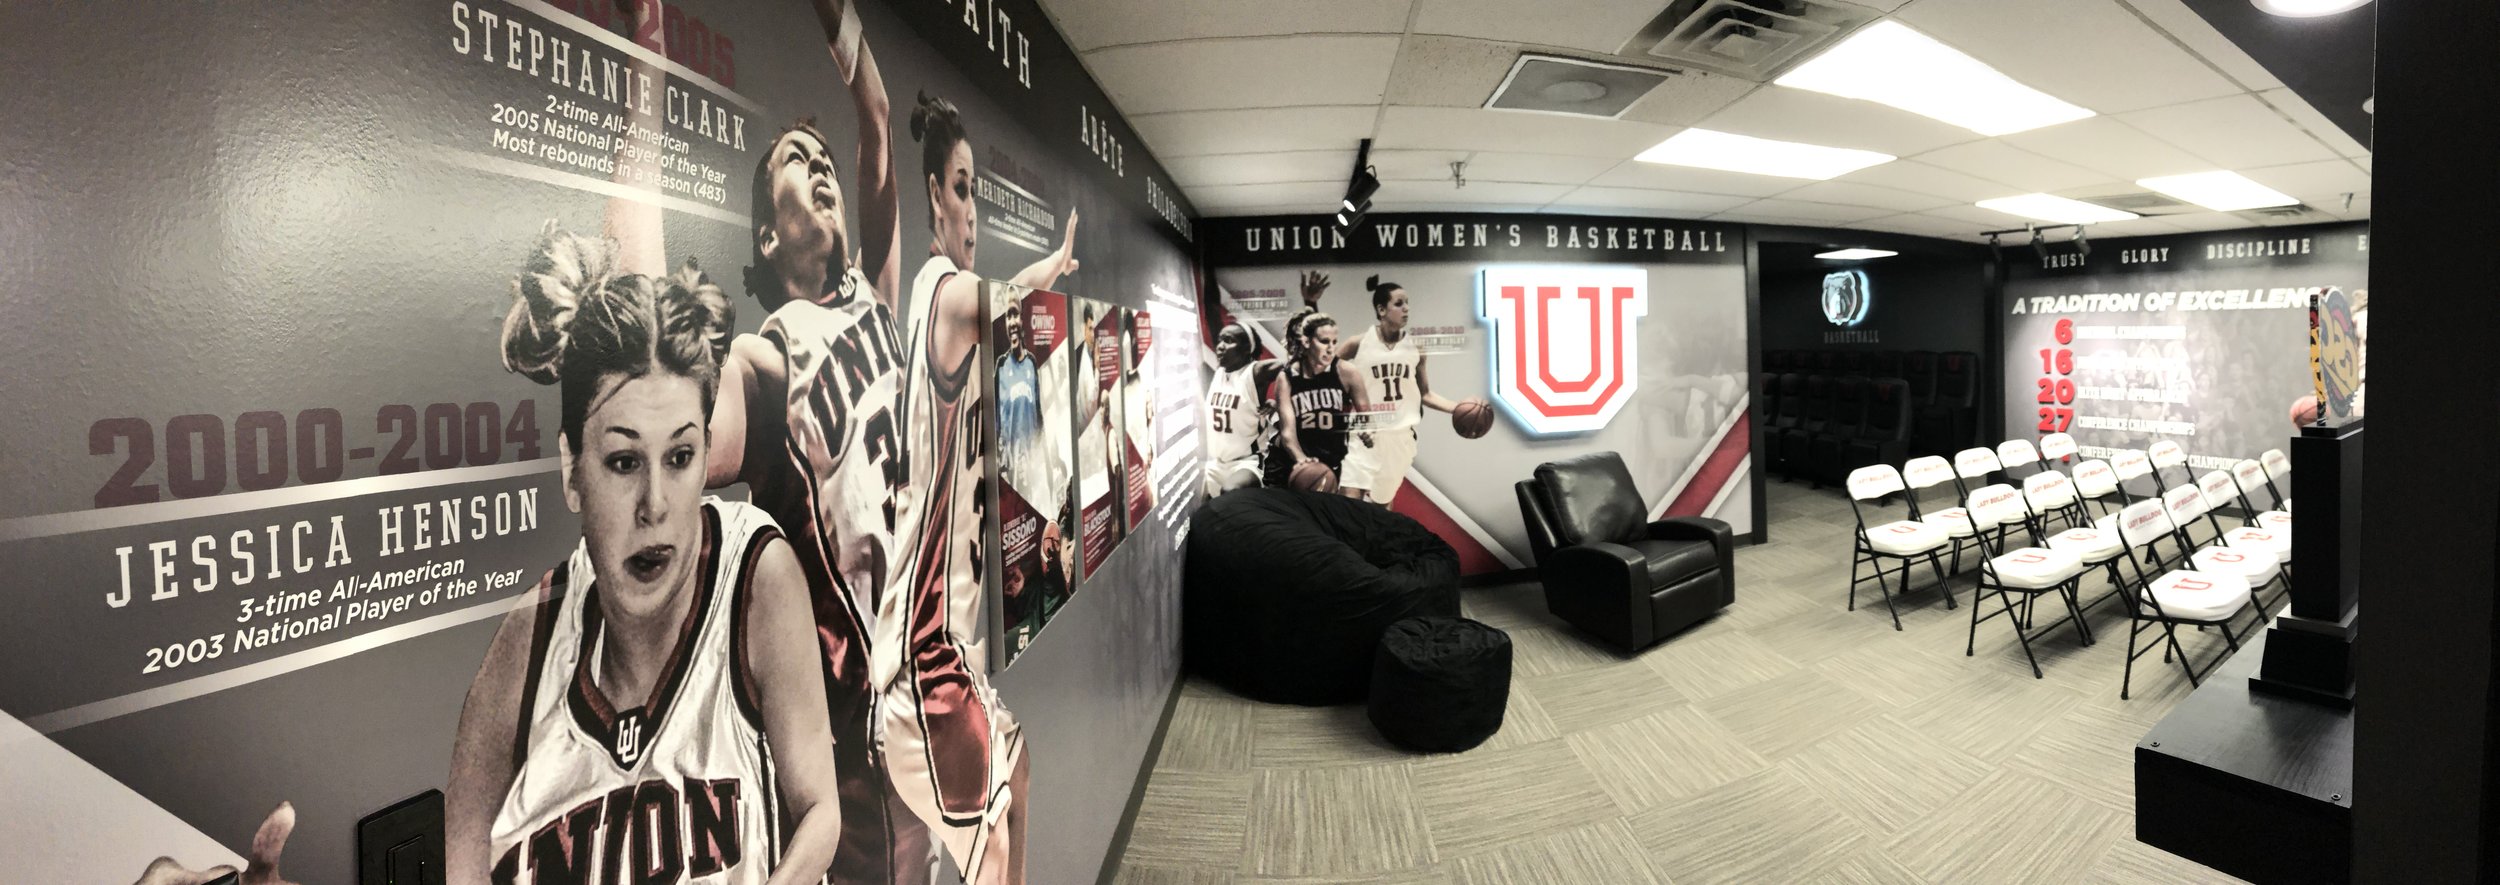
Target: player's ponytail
{"points": [[576, 319], [938, 126]]}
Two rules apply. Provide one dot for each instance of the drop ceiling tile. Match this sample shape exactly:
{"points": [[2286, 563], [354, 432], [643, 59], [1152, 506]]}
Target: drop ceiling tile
{"points": [[1986, 219], [1821, 213], [1454, 206], [1629, 200], [1917, 177], [2006, 164], [1200, 75], [1306, 196], [1541, 168], [2306, 116], [1849, 193], [1276, 166], [2093, 53], [1785, 114], [1922, 225], [1590, 25], [2175, 18], [1187, 133], [2107, 146], [1395, 165], [2236, 132], [1688, 97], [2364, 160], [1452, 72], [1092, 24], [1514, 131], [2133, 227], [2320, 184], [1653, 176], [2205, 221], [1248, 210], [1507, 192]]}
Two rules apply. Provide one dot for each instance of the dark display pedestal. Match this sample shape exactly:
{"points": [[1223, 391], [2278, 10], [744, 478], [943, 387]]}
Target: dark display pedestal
{"points": [[2252, 774], [2309, 650], [2254, 784]]}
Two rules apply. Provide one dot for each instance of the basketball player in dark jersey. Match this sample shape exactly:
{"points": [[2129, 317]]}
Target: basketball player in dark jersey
{"points": [[1316, 392]]}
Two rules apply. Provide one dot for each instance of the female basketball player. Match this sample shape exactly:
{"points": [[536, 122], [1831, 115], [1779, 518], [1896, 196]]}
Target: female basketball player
{"points": [[1394, 387], [1317, 390], [1230, 422], [956, 758], [660, 701]]}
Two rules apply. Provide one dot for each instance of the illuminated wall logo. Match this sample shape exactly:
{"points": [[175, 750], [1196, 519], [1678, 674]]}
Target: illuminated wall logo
{"points": [[1845, 297], [1565, 357]]}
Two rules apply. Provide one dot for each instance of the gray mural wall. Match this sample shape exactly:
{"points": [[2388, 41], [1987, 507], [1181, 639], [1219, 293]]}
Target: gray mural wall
{"points": [[270, 489]]}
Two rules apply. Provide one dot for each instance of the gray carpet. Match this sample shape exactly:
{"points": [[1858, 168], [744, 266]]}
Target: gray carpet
{"points": [[1786, 740]]}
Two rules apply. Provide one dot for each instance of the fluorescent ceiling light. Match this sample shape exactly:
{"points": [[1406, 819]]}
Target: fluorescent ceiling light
{"points": [[1855, 254], [2218, 191], [1706, 149], [2308, 8], [1888, 63], [2054, 208]]}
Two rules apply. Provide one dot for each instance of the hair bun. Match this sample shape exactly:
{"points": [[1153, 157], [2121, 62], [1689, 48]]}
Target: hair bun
{"points": [[920, 118], [547, 296], [1372, 282], [707, 309]]}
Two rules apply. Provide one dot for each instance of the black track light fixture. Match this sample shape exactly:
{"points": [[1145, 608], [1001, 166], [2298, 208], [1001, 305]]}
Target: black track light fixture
{"points": [[1358, 191]]}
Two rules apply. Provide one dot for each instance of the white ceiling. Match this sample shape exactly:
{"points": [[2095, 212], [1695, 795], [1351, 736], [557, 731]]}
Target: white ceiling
{"points": [[1256, 108]]}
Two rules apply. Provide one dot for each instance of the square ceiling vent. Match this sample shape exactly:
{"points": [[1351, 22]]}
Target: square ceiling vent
{"points": [[1752, 39], [1558, 85]]}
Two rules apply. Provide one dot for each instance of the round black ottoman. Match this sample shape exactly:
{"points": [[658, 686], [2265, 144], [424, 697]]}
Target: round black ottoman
{"points": [[1440, 684]]}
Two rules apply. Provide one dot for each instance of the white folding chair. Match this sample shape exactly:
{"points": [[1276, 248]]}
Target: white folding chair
{"points": [[2097, 546], [2278, 466], [2254, 563], [1971, 468], [1901, 540], [2096, 482], [2014, 453], [1926, 472], [2055, 448], [2249, 475], [2167, 454], [2178, 596], [2130, 465], [2050, 492], [2030, 571]]}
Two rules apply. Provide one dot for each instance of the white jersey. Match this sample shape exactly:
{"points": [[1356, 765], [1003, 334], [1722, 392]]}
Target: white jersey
{"points": [[1232, 414], [845, 485], [681, 782], [1389, 380], [944, 737]]}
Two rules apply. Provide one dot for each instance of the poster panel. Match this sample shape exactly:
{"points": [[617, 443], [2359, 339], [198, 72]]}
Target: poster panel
{"points": [[1137, 412], [2202, 339], [551, 402], [1353, 351], [1036, 515], [1101, 444]]}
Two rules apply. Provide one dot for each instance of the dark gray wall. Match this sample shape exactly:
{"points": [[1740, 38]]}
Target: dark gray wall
{"points": [[1921, 301]]}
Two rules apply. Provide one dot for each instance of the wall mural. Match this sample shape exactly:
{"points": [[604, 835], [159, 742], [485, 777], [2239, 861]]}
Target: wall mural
{"points": [[1367, 363], [591, 410], [2202, 339]]}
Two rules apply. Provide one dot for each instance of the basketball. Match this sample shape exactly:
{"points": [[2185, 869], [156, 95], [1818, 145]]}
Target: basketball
{"points": [[1313, 476], [1473, 418]]}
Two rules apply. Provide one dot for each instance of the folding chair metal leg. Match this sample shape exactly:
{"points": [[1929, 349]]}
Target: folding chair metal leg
{"points": [[1941, 586], [1886, 586], [2021, 635], [1858, 559]]}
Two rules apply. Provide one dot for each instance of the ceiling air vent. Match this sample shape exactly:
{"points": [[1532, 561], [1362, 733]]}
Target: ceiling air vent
{"points": [[1752, 39], [1571, 86], [2143, 204]]}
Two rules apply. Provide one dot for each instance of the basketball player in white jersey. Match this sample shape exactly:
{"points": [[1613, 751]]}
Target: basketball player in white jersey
{"points": [[811, 419], [656, 705], [1395, 391], [955, 757], [1231, 424]]}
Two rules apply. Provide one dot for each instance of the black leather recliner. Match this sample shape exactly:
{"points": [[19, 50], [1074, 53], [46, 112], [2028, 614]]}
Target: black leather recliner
{"points": [[1608, 570]]}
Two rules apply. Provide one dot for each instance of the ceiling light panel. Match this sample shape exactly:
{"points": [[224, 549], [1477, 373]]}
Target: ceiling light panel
{"points": [[2047, 207], [2220, 191], [1707, 149], [1855, 254], [1889, 63]]}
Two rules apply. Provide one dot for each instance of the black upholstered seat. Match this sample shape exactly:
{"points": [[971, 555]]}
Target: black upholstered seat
{"points": [[1610, 571]]}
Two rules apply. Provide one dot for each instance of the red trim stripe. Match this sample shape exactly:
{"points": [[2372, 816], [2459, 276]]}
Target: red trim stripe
{"points": [[1715, 470], [1473, 559]]}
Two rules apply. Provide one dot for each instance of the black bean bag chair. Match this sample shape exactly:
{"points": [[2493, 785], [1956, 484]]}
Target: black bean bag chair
{"points": [[1440, 684], [1286, 591]]}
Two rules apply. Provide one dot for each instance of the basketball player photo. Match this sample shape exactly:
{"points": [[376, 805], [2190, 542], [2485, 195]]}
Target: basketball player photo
{"points": [[1315, 391], [1137, 412], [668, 663], [1098, 440], [1032, 383], [956, 757], [1394, 392], [1230, 418]]}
